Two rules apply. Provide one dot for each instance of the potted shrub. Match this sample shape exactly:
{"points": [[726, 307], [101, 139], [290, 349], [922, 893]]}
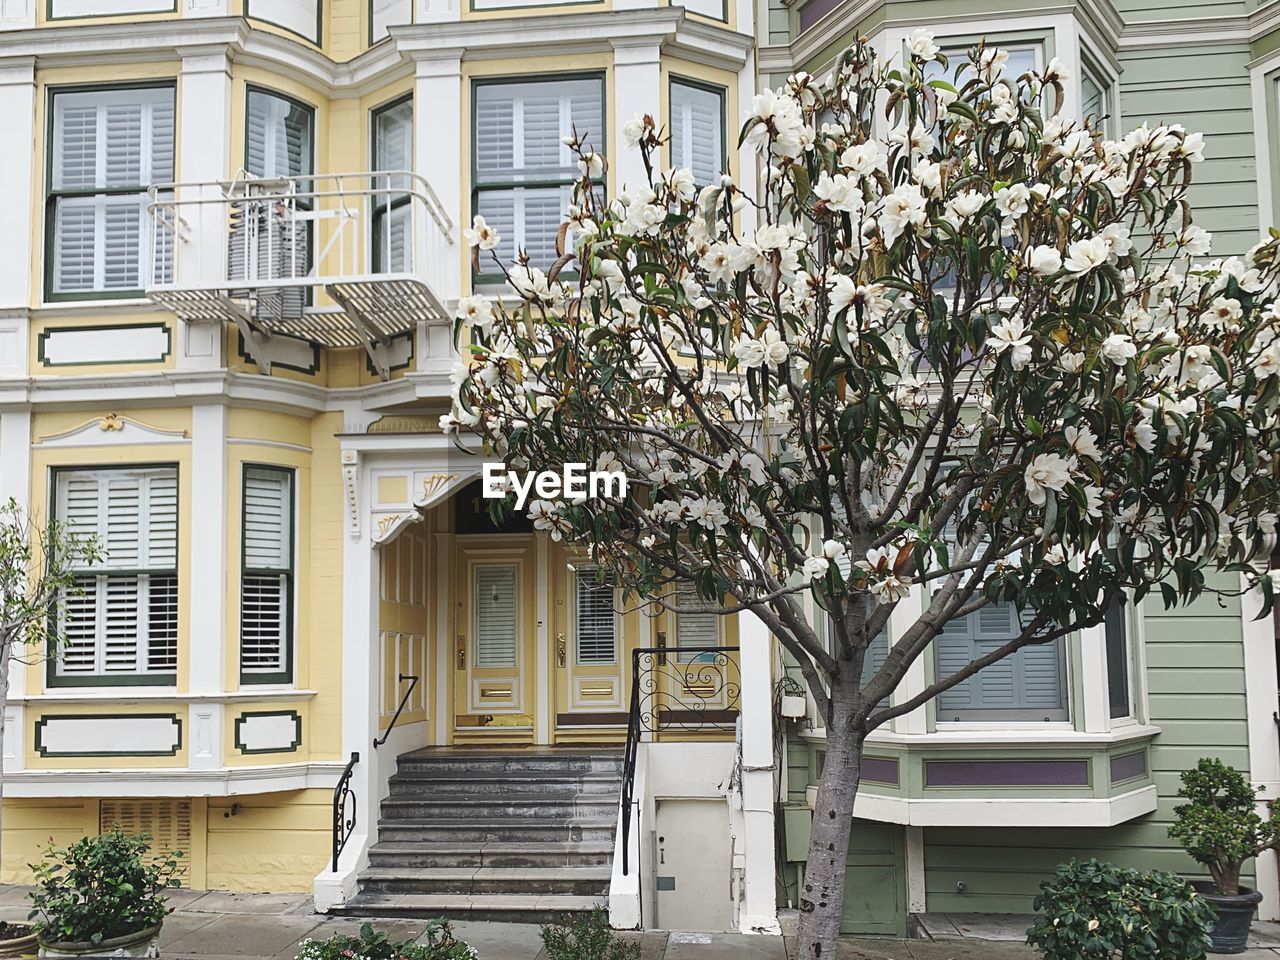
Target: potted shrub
{"points": [[1092, 910], [17, 939], [1220, 827], [437, 943], [102, 896]]}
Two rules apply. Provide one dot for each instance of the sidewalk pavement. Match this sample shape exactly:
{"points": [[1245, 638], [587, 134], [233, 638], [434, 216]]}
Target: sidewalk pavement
{"points": [[217, 925]]}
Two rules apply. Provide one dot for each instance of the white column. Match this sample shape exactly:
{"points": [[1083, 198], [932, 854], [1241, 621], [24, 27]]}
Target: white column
{"points": [[916, 898], [1260, 680], [205, 93], [17, 173], [1096, 708], [15, 483], [903, 617], [544, 670], [637, 90], [758, 911], [444, 637], [207, 647]]}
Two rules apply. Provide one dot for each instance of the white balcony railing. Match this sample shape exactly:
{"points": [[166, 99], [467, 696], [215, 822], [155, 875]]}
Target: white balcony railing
{"points": [[338, 259]]}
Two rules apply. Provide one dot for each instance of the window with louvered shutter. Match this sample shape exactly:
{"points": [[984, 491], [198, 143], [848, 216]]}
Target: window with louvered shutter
{"points": [[108, 147], [594, 619], [1029, 685], [523, 171], [694, 631], [266, 580], [1116, 634], [495, 615], [120, 622], [697, 130], [392, 220], [279, 136]]}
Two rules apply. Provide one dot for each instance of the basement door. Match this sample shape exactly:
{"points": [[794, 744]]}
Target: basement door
{"points": [[692, 866]]}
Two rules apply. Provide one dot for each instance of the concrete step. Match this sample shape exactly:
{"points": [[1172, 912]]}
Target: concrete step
{"points": [[509, 764], [488, 830], [534, 807], [423, 784], [510, 909], [549, 853], [571, 881]]}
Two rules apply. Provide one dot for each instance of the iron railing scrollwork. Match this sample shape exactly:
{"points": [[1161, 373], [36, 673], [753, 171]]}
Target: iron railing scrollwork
{"points": [[672, 695], [344, 810], [413, 682]]}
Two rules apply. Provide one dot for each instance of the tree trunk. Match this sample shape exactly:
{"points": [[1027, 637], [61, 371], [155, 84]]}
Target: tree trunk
{"points": [[822, 895]]}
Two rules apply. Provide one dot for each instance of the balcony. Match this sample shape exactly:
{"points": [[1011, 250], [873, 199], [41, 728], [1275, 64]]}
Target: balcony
{"points": [[337, 260]]}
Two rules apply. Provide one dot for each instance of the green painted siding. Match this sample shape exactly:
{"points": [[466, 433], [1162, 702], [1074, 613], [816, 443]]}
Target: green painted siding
{"points": [[1205, 88], [1195, 676]]}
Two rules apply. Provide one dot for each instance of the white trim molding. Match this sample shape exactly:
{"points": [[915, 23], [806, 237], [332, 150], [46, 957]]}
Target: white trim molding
{"points": [[168, 782]]}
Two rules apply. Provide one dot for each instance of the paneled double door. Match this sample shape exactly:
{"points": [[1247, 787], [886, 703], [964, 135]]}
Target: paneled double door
{"points": [[542, 647]]}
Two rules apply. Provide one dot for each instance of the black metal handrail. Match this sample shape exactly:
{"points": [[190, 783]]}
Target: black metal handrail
{"points": [[379, 741], [343, 798], [698, 694]]}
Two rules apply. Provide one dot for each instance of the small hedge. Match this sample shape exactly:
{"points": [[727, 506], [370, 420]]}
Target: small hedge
{"points": [[1092, 910], [586, 936], [439, 944]]}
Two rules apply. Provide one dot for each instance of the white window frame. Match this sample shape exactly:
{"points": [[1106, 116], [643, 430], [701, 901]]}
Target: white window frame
{"points": [[289, 574]]}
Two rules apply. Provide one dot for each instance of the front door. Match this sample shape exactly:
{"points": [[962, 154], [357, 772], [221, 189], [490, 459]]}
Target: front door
{"points": [[494, 642], [591, 660]]}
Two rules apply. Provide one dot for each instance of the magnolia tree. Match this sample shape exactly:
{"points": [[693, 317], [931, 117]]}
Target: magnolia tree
{"points": [[969, 355]]}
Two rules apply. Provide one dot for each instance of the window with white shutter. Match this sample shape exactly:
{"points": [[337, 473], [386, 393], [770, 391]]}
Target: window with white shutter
{"points": [[495, 613], [108, 146], [595, 623], [392, 215], [697, 129], [522, 170], [694, 631], [120, 624], [279, 135], [1116, 634], [1029, 685], [267, 575]]}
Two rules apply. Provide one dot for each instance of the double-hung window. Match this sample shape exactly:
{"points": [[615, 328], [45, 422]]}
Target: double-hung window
{"points": [[697, 129], [594, 620], [279, 136], [392, 212], [120, 623], [108, 146], [523, 172], [267, 575]]}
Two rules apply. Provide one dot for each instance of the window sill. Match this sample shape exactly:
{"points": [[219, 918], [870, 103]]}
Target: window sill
{"points": [[76, 307], [167, 695], [1048, 735]]}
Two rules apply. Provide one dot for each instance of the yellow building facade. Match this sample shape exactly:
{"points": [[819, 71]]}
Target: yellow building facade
{"points": [[233, 246]]}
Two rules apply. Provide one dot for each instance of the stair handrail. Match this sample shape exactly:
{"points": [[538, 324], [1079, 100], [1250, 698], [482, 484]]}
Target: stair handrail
{"points": [[344, 797], [413, 682], [650, 699]]}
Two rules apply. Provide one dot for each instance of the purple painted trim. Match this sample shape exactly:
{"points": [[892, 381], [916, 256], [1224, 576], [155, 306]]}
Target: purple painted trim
{"points": [[880, 770], [1006, 773], [813, 11], [1129, 766]]}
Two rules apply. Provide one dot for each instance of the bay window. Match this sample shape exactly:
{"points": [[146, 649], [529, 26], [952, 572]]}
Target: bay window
{"points": [[108, 145], [267, 575], [392, 213], [523, 173], [119, 625]]}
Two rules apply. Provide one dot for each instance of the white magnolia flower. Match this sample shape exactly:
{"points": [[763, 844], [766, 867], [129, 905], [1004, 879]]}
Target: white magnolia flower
{"points": [[1071, 363], [1046, 471], [815, 567], [1144, 435], [902, 208], [591, 165], [967, 204], [682, 184], [1010, 334], [991, 63], [1086, 255], [891, 589], [839, 192], [1013, 201], [1119, 348], [633, 131], [1195, 241], [1083, 442], [1043, 260], [864, 159], [480, 234], [476, 311], [833, 549], [921, 44]]}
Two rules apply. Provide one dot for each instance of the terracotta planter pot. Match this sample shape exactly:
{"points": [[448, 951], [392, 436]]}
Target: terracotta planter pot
{"points": [[19, 946], [1235, 917], [144, 943]]}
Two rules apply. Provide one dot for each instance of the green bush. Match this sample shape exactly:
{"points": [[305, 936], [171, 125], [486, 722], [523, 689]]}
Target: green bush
{"points": [[372, 945], [1092, 910], [1219, 825], [100, 888], [586, 936]]}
